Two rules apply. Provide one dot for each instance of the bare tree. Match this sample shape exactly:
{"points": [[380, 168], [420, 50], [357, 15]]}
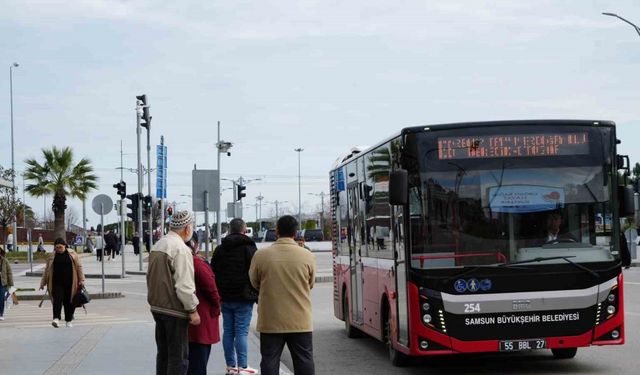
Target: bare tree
{"points": [[8, 207], [71, 217]]}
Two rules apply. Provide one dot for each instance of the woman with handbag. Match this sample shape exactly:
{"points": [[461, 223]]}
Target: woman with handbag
{"points": [[63, 277], [202, 336], [6, 280]]}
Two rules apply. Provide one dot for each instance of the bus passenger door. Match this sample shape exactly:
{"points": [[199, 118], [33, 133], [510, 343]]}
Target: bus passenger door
{"points": [[402, 315], [355, 257]]}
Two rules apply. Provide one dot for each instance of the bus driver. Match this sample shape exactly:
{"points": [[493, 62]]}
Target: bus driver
{"points": [[553, 235]]}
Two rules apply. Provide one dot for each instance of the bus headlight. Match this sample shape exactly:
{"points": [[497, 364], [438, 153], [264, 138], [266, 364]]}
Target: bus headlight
{"points": [[611, 310], [426, 318], [611, 298], [424, 344], [425, 306]]}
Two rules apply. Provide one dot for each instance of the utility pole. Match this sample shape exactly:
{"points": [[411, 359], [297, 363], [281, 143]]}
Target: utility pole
{"points": [[138, 131], [218, 216], [321, 195], [299, 151], [13, 166], [149, 182]]}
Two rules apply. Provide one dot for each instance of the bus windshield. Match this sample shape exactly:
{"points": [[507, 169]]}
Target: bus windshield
{"points": [[505, 194]]}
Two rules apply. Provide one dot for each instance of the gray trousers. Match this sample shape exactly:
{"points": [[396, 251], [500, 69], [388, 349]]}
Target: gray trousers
{"points": [[300, 346], [172, 340]]}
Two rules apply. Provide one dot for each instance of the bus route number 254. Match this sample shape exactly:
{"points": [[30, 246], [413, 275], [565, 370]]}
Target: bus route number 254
{"points": [[470, 308]]}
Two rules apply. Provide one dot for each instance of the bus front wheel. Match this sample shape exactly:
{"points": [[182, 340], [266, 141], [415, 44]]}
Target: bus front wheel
{"points": [[397, 358], [564, 353]]}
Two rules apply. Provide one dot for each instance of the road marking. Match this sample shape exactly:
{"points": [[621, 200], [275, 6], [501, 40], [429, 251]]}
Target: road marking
{"points": [[30, 316], [74, 356]]}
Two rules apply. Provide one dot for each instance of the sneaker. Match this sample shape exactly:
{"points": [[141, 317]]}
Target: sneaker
{"points": [[1, 318], [55, 323], [231, 371], [247, 370], [69, 324]]}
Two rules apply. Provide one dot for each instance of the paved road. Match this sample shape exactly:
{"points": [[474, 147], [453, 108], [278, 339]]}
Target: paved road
{"points": [[336, 354]]}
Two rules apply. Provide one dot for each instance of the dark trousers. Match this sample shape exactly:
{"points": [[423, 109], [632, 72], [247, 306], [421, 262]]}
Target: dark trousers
{"points": [[198, 358], [300, 345], [62, 297], [172, 341]]}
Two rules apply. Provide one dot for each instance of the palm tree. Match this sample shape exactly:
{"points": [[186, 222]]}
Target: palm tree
{"points": [[58, 177]]}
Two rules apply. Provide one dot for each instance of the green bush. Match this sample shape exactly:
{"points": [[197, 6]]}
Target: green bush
{"points": [[24, 256]]}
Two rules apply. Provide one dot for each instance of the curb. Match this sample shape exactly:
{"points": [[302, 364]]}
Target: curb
{"points": [[324, 279], [137, 273], [86, 275], [37, 297], [319, 279]]}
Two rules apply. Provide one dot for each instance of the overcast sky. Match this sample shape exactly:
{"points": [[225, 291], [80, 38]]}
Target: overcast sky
{"points": [[321, 75]]}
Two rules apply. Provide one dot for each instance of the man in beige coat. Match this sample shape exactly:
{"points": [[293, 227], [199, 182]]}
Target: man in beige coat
{"points": [[284, 274]]}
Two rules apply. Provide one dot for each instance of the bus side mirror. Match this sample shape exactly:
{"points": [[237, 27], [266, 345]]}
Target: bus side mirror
{"points": [[625, 196], [398, 187]]}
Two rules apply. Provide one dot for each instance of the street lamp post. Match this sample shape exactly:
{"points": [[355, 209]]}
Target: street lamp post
{"points": [[13, 165], [637, 29], [299, 151], [223, 147], [624, 20]]}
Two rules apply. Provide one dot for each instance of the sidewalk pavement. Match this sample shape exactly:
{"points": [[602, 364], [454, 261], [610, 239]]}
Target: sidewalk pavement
{"points": [[97, 344], [113, 336]]}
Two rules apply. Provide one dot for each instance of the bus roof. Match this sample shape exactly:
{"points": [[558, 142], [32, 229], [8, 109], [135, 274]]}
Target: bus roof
{"points": [[558, 122], [359, 150]]}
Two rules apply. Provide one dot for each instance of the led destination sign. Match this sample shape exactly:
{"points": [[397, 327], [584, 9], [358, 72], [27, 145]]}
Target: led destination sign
{"points": [[514, 145]]}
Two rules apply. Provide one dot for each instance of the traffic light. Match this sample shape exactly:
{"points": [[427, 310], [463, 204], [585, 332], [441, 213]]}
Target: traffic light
{"points": [[145, 120], [142, 98], [135, 201], [122, 189], [241, 193], [147, 204]]}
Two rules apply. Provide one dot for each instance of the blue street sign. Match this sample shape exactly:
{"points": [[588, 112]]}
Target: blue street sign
{"points": [[161, 171]]}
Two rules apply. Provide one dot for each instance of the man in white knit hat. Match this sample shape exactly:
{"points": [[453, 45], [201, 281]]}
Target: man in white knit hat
{"points": [[172, 295]]}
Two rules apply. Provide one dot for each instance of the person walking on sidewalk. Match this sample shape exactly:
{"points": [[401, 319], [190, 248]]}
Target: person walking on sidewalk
{"points": [[172, 295], [202, 336], [6, 280], [284, 274], [40, 243], [230, 263], [62, 276], [135, 240]]}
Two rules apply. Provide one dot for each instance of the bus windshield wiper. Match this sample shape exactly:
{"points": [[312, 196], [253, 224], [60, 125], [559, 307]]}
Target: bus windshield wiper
{"points": [[565, 258]]}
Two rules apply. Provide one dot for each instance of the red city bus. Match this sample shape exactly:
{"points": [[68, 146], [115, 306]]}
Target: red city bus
{"points": [[483, 237]]}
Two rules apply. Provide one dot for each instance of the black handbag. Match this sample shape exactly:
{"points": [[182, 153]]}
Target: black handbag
{"points": [[82, 297]]}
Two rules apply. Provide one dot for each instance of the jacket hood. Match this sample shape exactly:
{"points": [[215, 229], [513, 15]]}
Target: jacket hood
{"points": [[236, 239]]}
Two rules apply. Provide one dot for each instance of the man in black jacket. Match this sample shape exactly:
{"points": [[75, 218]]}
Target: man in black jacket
{"points": [[230, 262]]}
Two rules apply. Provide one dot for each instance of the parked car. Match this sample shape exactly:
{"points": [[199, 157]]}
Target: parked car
{"points": [[269, 236], [312, 235]]}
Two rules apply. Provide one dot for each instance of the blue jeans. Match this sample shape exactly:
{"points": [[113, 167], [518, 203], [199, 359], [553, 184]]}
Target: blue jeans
{"points": [[236, 317], [3, 290]]}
